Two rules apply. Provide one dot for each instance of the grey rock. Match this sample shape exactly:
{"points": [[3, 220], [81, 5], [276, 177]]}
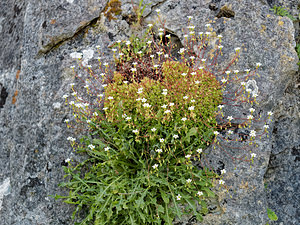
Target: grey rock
{"points": [[35, 43]]}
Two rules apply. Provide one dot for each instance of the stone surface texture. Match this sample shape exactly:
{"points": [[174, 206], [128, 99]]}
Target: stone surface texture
{"points": [[36, 39]]}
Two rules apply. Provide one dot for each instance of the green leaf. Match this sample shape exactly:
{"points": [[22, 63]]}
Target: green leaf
{"points": [[271, 214], [164, 196]]}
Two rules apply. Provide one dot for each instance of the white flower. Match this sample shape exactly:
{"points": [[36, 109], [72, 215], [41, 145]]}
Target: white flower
{"points": [[159, 150], [67, 160], [200, 193], [135, 131], [190, 17], [175, 136], [203, 60], [191, 27], [153, 129], [189, 180], [191, 108], [166, 56], [171, 104], [181, 50], [216, 133], [150, 25], [220, 46], [71, 139], [104, 85], [193, 100], [237, 49], [72, 67], [106, 149], [118, 41], [220, 36], [149, 42], [159, 53], [128, 118], [72, 84], [161, 140], [127, 42], [230, 132], [72, 103], [67, 120], [184, 119], [74, 94], [200, 67], [266, 126], [178, 197], [110, 98], [193, 73], [86, 86], [157, 10], [154, 166], [95, 114], [138, 99], [253, 155], [151, 56], [133, 69], [88, 121], [251, 110], [155, 66], [185, 97], [168, 111], [56, 105], [105, 108], [200, 33], [227, 72], [236, 71], [91, 147], [164, 93], [207, 33], [197, 82], [183, 74], [247, 70], [254, 95], [220, 106], [139, 52], [188, 156], [125, 82], [114, 49], [144, 100], [250, 117], [221, 182], [223, 80], [164, 106], [243, 83], [252, 133], [160, 33], [147, 105], [207, 25], [270, 113], [199, 150], [121, 54], [258, 64], [223, 171]]}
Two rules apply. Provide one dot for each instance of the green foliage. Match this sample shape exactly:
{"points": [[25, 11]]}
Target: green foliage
{"points": [[271, 214], [280, 11], [140, 10], [155, 120]]}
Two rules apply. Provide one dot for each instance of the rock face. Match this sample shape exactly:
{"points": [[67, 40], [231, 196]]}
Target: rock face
{"points": [[36, 39]]}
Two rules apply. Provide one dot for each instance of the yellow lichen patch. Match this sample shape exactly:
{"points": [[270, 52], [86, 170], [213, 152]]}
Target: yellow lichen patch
{"points": [[263, 28], [280, 23], [268, 15]]}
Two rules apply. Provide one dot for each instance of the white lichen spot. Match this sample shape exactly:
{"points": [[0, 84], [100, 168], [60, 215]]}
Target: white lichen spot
{"points": [[4, 190]]}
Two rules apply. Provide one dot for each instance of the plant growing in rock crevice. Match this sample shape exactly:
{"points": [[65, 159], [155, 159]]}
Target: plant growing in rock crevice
{"points": [[159, 114]]}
